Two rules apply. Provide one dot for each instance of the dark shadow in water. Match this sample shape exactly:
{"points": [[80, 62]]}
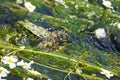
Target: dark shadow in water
{"points": [[102, 44]]}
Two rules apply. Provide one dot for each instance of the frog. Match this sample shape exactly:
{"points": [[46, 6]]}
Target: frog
{"points": [[48, 39]]}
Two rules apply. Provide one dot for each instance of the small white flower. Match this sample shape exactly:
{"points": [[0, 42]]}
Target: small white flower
{"points": [[100, 33], [76, 7], [106, 73], [10, 60], [25, 65], [107, 4], [29, 6], [30, 78], [34, 72], [3, 72]]}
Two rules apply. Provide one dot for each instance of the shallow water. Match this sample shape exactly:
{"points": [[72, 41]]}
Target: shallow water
{"points": [[72, 51]]}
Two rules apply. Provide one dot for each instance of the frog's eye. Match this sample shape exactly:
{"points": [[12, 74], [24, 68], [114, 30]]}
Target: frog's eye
{"points": [[17, 24]]}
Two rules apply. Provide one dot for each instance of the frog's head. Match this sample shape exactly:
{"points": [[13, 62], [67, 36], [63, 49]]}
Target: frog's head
{"points": [[19, 23]]}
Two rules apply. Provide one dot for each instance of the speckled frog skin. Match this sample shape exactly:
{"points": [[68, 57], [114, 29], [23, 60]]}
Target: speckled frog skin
{"points": [[48, 39]]}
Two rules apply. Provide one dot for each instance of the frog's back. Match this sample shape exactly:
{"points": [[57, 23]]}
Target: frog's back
{"points": [[36, 30]]}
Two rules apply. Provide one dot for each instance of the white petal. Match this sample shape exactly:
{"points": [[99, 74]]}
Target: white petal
{"points": [[27, 3], [26, 67], [102, 72], [6, 57], [6, 71], [29, 78], [107, 4], [20, 63], [110, 75], [12, 65], [4, 61], [31, 62], [3, 74], [118, 25], [32, 9], [14, 58], [100, 33], [29, 6]]}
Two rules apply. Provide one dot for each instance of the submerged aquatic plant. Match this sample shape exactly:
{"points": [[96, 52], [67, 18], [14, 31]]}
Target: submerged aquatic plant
{"points": [[75, 55]]}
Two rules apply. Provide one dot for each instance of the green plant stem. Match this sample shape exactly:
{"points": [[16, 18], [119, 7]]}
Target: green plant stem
{"points": [[48, 54], [45, 65], [68, 75], [41, 52], [63, 71]]}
